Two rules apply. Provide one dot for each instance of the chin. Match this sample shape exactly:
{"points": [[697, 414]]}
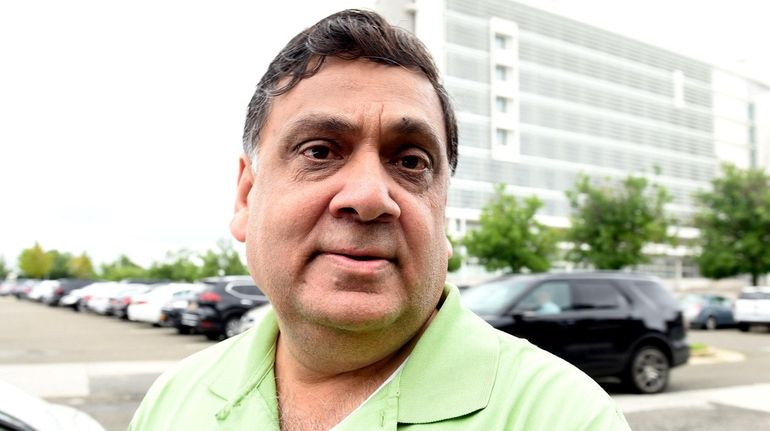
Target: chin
{"points": [[363, 313]]}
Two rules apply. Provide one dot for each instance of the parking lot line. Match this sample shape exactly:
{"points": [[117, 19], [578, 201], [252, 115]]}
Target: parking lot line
{"points": [[751, 397], [72, 379]]}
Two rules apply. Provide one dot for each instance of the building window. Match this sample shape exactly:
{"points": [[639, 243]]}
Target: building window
{"points": [[501, 42], [678, 80], [501, 103], [501, 137], [501, 73]]}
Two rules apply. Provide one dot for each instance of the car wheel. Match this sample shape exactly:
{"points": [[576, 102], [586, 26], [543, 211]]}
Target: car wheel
{"points": [[213, 336], [744, 327], [711, 323], [184, 330], [648, 370], [232, 326]]}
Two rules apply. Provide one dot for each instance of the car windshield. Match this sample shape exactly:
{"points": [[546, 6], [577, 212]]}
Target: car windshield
{"points": [[493, 297]]}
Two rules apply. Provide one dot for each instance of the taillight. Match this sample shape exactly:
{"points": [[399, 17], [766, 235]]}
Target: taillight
{"points": [[58, 291], [126, 300], [140, 302], [209, 297]]}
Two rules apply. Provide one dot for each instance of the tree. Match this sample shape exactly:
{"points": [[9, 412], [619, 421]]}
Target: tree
{"points": [[34, 262], [224, 261], [81, 266], [509, 237], [611, 223], [121, 269], [4, 271], [178, 266], [60, 268], [456, 261], [734, 224]]}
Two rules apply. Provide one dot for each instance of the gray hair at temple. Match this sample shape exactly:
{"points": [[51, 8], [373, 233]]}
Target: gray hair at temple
{"points": [[349, 35]]}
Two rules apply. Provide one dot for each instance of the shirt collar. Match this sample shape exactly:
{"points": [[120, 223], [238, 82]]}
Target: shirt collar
{"points": [[439, 367], [452, 369], [251, 361]]}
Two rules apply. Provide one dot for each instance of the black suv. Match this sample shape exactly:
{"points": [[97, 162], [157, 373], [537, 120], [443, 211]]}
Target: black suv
{"points": [[216, 311], [606, 323]]}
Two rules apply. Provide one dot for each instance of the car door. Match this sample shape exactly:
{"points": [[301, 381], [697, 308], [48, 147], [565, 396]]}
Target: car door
{"points": [[546, 327], [601, 323]]}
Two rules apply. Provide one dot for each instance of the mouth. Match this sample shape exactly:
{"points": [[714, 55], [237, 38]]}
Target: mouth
{"points": [[358, 260]]}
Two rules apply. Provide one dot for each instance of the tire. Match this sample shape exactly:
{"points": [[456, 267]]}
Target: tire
{"points": [[744, 327], [184, 330], [213, 336], [710, 324], [232, 326], [648, 370]]}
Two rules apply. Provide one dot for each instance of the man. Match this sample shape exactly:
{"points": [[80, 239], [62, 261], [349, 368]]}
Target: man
{"points": [[350, 141]]}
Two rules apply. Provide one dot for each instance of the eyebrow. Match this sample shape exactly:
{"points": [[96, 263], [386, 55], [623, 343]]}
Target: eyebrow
{"points": [[411, 126], [335, 124], [315, 123]]}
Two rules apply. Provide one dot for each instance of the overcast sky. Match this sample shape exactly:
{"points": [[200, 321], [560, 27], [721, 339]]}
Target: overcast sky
{"points": [[120, 122]]}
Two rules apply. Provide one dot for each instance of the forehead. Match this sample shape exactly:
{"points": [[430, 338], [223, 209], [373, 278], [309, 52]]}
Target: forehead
{"points": [[361, 91]]}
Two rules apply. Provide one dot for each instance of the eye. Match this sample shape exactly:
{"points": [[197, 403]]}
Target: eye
{"points": [[413, 160], [319, 151]]}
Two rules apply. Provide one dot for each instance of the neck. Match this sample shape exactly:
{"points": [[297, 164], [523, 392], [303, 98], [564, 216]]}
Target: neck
{"points": [[343, 357], [318, 388]]}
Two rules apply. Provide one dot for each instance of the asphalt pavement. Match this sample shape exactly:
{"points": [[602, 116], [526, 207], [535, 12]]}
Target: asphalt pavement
{"points": [[103, 365]]}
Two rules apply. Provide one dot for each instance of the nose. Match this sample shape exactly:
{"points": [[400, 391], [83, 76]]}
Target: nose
{"points": [[365, 192]]}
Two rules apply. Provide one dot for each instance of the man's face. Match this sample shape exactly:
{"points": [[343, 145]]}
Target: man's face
{"points": [[344, 216]]}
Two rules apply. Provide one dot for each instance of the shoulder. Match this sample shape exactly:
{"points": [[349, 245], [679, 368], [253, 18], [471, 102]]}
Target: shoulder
{"points": [[556, 394], [181, 389], [200, 386]]}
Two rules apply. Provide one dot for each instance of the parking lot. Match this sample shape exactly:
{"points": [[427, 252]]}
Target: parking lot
{"points": [[103, 366]]}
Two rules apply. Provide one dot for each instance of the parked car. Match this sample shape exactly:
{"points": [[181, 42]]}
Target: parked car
{"points": [[252, 316], [78, 298], [707, 311], [99, 299], [63, 289], [217, 309], [753, 307], [608, 324], [146, 307], [41, 289], [171, 312], [23, 287], [20, 411], [119, 301]]}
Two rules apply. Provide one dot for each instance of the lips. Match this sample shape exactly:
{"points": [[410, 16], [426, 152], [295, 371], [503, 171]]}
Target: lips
{"points": [[361, 261]]}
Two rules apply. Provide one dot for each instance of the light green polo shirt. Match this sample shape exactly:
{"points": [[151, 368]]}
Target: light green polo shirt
{"points": [[462, 375]]}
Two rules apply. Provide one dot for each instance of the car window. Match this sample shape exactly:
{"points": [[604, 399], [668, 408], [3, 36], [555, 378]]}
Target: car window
{"points": [[245, 290], [591, 294], [493, 297], [655, 292], [550, 297]]}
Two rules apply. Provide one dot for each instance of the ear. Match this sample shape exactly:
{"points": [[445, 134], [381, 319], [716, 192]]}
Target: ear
{"points": [[449, 250], [245, 183]]}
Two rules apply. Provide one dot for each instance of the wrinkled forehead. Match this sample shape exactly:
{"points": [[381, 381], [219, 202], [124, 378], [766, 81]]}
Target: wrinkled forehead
{"points": [[348, 88]]}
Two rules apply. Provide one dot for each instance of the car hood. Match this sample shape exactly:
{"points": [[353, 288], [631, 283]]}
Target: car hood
{"points": [[43, 415]]}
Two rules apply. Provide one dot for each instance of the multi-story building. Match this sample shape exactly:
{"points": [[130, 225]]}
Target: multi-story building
{"points": [[542, 98]]}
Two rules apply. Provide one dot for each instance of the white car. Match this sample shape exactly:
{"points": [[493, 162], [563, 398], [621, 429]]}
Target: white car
{"points": [[147, 306], [42, 288], [251, 317], [78, 298], [22, 411], [752, 307]]}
